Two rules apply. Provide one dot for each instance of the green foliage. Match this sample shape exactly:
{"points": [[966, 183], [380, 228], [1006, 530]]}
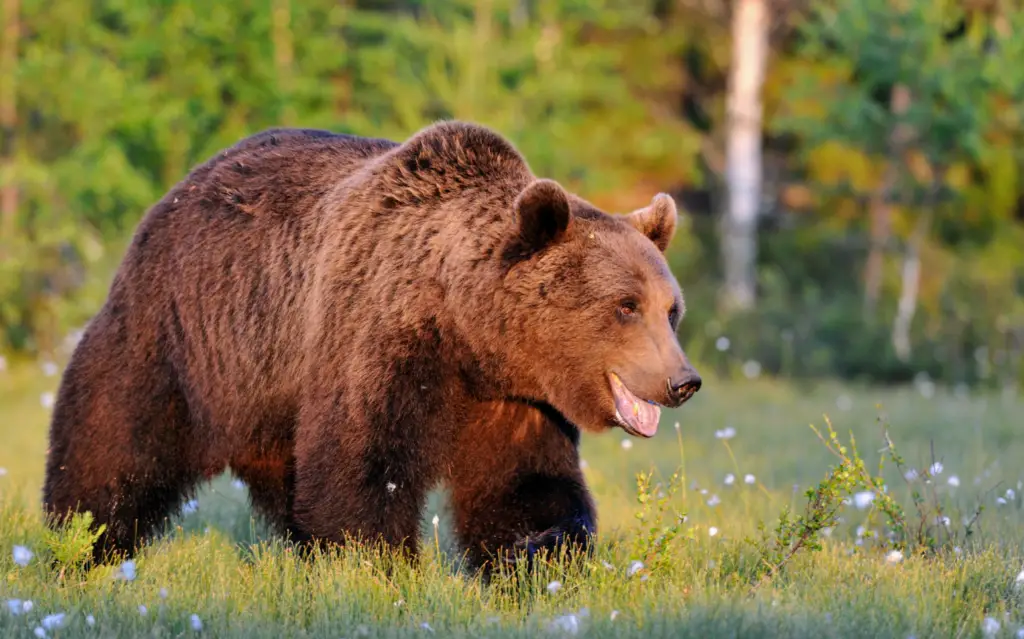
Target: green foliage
{"points": [[71, 544]]}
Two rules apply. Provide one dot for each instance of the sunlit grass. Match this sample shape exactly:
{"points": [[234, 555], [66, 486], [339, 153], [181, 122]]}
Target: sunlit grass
{"points": [[218, 571]]}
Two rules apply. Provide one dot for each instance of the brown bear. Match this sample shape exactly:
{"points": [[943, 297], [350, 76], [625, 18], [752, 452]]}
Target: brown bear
{"points": [[346, 322]]}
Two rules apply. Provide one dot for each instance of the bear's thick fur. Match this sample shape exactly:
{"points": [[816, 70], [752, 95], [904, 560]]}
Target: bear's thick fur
{"points": [[345, 322]]}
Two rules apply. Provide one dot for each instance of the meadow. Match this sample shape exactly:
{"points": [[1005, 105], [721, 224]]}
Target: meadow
{"points": [[743, 450]]}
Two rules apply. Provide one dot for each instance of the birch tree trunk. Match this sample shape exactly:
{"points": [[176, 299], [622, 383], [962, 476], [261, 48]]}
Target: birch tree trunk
{"points": [[881, 207], [911, 275], [8, 118], [750, 29]]}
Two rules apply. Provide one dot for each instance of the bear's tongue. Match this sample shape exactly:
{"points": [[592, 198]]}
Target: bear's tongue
{"points": [[638, 416]]}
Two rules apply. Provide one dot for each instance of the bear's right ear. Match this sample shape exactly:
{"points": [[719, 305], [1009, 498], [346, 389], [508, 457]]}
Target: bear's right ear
{"points": [[542, 213]]}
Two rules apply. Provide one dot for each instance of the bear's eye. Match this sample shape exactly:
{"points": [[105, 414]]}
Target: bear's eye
{"points": [[628, 308], [673, 315]]}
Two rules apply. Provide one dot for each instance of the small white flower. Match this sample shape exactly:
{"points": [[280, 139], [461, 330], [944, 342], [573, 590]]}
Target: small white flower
{"points": [[936, 469], [827, 531], [14, 606], [90, 620], [47, 400], [3, 471], [436, 520], [27, 605], [722, 343], [1000, 501], [163, 593], [712, 531], [50, 622], [39, 632], [238, 484], [127, 571], [894, 557], [1018, 583], [583, 464], [607, 565], [677, 428], [726, 433], [627, 444], [634, 567], [714, 501], [615, 613], [1010, 494], [861, 531], [990, 626], [426, 626], [953, 481], [749, 479], [49, 369], [22, 555], [196, 623], [751, 369], [863, 499], [554, 587], [910, 475], [942, 520], [391, 487], [399, 603], [730, 479], [1020, 633], [569, 624], [844, 403], [957, 550], [190, 507], [142, 610]]}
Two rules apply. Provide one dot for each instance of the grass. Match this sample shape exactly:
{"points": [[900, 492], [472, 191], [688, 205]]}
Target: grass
{"points": [[219, 565]]}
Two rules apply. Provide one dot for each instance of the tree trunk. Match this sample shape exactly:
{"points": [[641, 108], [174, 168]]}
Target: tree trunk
{"points": [[8, 119], [284, 54], [911, 278], [881, 208], [750, 27]]}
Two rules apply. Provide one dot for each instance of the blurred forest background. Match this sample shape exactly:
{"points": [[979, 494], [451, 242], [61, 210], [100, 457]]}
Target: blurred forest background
{"points": [[849, 171]]}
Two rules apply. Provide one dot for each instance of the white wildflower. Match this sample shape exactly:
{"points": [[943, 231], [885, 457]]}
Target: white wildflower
{"points": [[127, 571], [722, 343], [1018, 583], [627, 444], [730, 479], [1000, 501], [863, 499], [27, 605], [1010, 494], [436, 520], [14, 606], [90, 620], [163, 593], [554, 587], [910, 475], [39, 632], [726, 433], [607, 565], [942, 520], [749, 479], [3, 471], [712, 531], [1020, 633], [953, 481], [583, 464], [844, 403], [936, 469], [894, 557], [990, 626], [49, 369], [143, 611], [426, 626], [634, 567], [569, 624], [677, 425], [50, 622], [22, 555], [190, 507], [615, 613], [196, 623], [47, 400], [751, 369], [714, 501]]}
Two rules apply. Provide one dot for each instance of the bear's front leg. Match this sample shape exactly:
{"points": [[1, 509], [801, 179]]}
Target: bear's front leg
{"points": [[517, 486]]}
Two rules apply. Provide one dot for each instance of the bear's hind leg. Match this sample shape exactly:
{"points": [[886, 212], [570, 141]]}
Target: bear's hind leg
{"points": [[118, 441], [517, 486]]}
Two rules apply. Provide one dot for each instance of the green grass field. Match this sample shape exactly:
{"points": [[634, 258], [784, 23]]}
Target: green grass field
{"points": [[217, 564]]}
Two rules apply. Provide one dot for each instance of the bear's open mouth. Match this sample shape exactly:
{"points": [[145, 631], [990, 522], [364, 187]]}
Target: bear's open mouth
{"points": [[638, 417]]}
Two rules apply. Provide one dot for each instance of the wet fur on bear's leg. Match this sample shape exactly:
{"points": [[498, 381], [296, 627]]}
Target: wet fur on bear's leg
{"points": [[517, 487]]}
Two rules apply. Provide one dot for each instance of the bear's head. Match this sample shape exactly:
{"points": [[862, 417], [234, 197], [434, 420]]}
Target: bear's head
{"points": [[597, 309]]}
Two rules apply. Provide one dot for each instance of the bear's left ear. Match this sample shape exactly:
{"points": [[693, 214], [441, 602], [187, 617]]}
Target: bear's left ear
{"points": [[542, 213], [657, 221]]}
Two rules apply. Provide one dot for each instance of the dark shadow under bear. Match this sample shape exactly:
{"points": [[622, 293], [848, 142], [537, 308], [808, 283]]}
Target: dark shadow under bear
{"points": [[345, 322]]}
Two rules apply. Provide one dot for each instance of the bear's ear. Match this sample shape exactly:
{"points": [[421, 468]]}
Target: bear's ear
{"points": [[542, 213], [657, 221]]}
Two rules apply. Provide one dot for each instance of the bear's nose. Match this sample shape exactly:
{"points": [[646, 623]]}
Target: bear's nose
{"points": [[683, 387]]}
